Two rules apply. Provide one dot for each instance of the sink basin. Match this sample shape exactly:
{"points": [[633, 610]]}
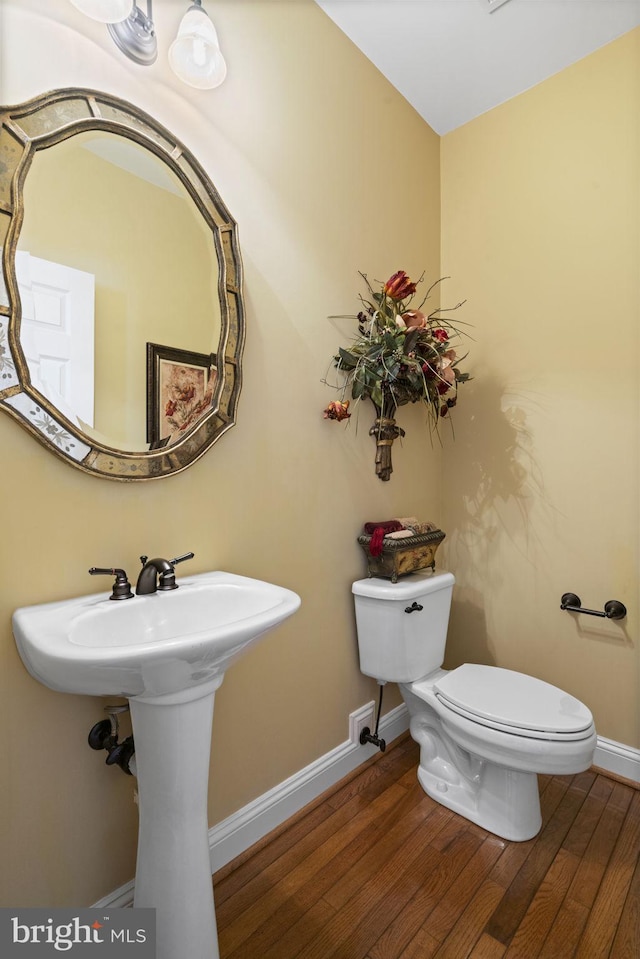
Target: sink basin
{"points": [[149, 645]]}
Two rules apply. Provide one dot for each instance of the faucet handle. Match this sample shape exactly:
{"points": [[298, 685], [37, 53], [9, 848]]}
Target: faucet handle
{"points": [[181, 559], [121, 586], [167, 578], [172, 562]]}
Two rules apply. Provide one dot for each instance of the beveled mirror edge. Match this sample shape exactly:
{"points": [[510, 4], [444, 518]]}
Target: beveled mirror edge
{"points": [[102, 111]]}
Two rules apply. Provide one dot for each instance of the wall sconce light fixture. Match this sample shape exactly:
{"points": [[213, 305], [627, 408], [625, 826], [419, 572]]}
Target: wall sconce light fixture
{"points": [[194, 55]]}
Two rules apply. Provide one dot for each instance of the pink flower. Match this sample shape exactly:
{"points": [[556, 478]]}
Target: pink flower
{"points": [[440, 335], [414, 320], [448, 375], [446, 370]]}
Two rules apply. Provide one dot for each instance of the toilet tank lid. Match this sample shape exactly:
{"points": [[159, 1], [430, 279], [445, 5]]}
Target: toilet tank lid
{"points": [[408, 587], [512, 699]]}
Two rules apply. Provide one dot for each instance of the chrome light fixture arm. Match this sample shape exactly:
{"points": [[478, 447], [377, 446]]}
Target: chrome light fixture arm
{"points": [[136, 36]]}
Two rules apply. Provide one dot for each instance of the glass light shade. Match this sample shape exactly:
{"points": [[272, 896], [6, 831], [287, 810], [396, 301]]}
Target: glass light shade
{"points": [[105, 11], [195, 55]]}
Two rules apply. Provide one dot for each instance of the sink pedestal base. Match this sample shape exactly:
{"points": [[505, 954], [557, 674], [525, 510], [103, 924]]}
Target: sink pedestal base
{"points": [[172, 737]]}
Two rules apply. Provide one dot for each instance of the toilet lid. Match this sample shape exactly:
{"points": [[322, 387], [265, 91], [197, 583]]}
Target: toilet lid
{"points": [[502, 697]]}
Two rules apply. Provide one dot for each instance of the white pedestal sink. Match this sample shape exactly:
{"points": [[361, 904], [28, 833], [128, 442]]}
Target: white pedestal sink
{"points": [[167, 653]]}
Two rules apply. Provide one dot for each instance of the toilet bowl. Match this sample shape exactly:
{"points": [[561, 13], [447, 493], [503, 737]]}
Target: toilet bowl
{"points": [[484, 732]]}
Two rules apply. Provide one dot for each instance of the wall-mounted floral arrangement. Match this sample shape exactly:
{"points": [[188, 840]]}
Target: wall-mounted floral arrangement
{"points": [[400, 355]]}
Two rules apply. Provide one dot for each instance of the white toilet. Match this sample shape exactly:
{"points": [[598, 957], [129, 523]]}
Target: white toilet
{"points": [[484, 732]]}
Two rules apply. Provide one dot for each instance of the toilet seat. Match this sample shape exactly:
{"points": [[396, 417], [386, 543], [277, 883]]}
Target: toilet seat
{"points": [[513, 703]]}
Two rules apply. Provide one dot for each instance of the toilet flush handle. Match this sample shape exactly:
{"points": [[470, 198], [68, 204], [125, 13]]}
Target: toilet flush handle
{"points": [[414, 608]]}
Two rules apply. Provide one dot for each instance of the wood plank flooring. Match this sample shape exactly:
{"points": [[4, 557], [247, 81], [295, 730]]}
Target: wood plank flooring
{"points": [[377, 870]]}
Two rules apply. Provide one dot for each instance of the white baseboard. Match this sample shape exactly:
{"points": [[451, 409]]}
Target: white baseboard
{"points": [[121, 898], [617, 759], [241, 830]]}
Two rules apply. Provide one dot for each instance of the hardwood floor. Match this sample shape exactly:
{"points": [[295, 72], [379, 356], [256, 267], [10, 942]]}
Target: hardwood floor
{"points": [[377, 870]]}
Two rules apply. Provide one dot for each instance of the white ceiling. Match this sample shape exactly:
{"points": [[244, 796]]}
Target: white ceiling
{"points": [[455, 59]]}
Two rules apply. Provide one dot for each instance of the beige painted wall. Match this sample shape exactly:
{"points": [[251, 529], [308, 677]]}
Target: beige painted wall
{"points": [[327, 171], [541, 231]]}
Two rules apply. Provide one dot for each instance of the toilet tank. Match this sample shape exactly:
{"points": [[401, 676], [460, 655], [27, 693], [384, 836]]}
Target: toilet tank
{"points": [[398, 642]]}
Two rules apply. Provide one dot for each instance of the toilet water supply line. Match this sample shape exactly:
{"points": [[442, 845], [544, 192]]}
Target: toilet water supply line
{"points": [[366, 736]]}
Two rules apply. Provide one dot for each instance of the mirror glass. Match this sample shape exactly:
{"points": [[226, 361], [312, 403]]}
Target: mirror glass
{"points": [[121, 312], [113, 254]]}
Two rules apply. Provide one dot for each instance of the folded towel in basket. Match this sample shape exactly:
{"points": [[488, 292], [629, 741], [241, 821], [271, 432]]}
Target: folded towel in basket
{"points": [[387, 526]]}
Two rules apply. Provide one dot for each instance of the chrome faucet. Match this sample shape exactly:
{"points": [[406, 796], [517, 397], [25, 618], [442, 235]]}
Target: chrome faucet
{"points": [[158, 574]]}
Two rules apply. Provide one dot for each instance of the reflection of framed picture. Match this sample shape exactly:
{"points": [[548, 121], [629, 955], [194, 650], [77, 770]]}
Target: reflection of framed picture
{"points": [[180, 387]]}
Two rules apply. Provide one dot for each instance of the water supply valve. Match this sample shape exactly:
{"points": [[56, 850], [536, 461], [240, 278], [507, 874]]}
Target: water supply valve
{"points": [[104, 735], [366, 736], [121, 754]]}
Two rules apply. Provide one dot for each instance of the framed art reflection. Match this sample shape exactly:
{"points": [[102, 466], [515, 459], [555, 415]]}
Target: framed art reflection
{"points": [[180, 388]]}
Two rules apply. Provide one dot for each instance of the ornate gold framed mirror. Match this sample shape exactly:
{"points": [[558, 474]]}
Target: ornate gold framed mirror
{"points": [[116, 247]]}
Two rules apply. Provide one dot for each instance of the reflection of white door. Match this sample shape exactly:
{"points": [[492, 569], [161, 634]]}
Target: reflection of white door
{"points": [[57, 333]]}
